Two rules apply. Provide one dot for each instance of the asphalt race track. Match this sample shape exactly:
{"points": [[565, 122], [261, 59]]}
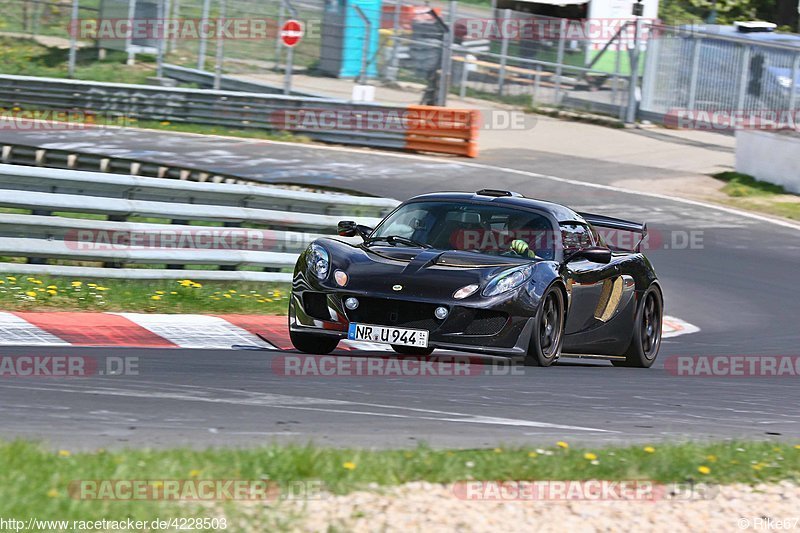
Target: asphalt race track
{"points": [[737, 284]]}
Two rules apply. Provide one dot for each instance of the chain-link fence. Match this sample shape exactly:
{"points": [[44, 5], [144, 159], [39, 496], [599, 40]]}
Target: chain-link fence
{"points": [[735, 76]]}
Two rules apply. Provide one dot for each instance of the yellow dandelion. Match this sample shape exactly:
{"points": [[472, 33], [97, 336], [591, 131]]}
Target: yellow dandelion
{"points": [[757, 466], [52, 493], [194, 473], [232, 291], [165, 123], [704, 469], [52, 287], [589, 456], [52, 292], [711, 458], [155, 297], [11, 278], [649, 449], [185, 282], [227, 296], [76, 283], [92, 285], [32, 294], [173, 292], [197, 285], [562, 444], [64, 453], [498, 450], [2, 282], [349, 465], [797, 446], [102, 288], [532, 454], [159, 292], [41, 289]]}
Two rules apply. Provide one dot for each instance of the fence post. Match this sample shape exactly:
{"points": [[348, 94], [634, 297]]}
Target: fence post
{"points": [[743, 80], [129, 37], [220, 45], [176, 13], [447, 50], [394, 63], [537, 80], [278, 41], [562, 42], [634, 75], [287, 77], [501, 76], [795, 72], [201, 53], [462, 89], [362, 75], [693, 79], [161, 39], [73, 39]]}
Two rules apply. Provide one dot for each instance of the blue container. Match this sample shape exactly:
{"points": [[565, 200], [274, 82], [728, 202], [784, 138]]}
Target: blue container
{"points": [[343, 34]]}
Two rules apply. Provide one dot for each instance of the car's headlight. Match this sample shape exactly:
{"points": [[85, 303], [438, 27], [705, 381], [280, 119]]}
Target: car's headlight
{"points": [[319, 261], [508, 280]]}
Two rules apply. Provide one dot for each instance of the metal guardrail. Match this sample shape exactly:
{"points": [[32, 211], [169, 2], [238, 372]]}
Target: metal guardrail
{"points": [[443, 130], [205, 80], [255, 228]]}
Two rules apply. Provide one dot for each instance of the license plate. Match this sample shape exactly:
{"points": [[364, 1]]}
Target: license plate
{"points": [[388, 335]]}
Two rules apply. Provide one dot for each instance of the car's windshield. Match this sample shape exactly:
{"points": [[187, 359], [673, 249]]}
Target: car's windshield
{"points": [[482, 228]]}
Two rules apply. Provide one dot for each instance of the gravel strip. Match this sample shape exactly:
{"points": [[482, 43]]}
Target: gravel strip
{"points": [[432, 507]]}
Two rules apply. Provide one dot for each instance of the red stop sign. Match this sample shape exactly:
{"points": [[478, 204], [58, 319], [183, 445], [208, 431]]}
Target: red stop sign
{"points": [[291, 32]]}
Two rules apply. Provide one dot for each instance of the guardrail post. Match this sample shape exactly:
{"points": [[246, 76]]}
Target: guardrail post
{"points": [[220, 45], [201, 53], [501, 76]]}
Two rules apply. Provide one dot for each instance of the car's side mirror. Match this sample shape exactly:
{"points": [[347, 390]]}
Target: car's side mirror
{"points": [[348, 228], [595, 254]]}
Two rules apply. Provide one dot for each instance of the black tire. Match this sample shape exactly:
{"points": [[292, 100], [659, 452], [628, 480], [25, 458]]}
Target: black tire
{"points": [[411, 350], [310, 342], [646, 339], [313, 344], [547, 337]]}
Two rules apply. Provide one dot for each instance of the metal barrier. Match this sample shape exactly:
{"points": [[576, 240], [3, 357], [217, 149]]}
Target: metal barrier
{"points": [[325, 120], [254, 227], [205, 80]]}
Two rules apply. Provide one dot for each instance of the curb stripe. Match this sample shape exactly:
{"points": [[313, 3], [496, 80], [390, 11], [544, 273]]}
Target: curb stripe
{"points": [[95, 329], [15, 330], [196, 331]]}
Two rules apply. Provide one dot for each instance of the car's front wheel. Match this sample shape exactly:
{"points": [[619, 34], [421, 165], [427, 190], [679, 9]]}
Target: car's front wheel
{"points": [[646, 339], [313, 344], [548, 332]]}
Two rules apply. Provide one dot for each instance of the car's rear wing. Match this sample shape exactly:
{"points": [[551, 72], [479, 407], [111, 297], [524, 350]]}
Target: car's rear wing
{"points": [[602, 221]]}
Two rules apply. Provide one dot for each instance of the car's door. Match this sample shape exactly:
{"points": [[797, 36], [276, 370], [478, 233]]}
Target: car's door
{"points": [[588, 282]]}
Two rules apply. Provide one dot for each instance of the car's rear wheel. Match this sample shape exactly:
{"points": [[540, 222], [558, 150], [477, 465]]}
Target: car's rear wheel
{"points": [[646, 339], [411, 350], [548, 333]]}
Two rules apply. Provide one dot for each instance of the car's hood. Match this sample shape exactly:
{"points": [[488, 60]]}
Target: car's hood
{"points": [[418, 272]]}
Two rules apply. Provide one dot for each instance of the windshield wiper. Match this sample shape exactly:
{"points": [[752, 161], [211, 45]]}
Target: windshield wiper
{"points": [[393, 239]]}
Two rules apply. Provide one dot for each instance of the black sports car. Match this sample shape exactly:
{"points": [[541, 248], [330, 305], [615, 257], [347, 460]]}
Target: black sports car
{"points": [[491, 272]]}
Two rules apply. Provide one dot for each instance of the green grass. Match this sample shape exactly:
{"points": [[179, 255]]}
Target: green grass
{"points": [[40, 293], [34, 481], [25, 57], [749, 193]]}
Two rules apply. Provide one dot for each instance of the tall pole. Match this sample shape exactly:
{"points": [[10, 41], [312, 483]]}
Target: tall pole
{"points": [[129, 37], [201, 53], [161, 40], [220, 46], [447, 49], [362, 75], [634, 80], [73, 39], [287, 77], [394, 63]]}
